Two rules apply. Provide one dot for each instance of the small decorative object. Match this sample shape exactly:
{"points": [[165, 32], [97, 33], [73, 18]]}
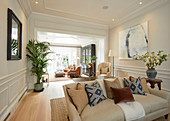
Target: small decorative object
{"points": [[151, 61], [37, 53], [133, 39], [14, 37], [93, 59]]}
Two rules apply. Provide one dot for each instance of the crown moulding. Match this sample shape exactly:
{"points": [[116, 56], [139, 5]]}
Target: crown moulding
{"points": [[148, 7], [26, 7]]}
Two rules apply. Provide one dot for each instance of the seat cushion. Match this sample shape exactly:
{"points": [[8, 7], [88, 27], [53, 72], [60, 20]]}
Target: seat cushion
{"points": [[114, 83], [151, 102], [79, 97], [107, 110], [95, 93]]}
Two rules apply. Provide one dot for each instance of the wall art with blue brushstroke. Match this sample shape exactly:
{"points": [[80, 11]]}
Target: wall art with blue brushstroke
{"points": [[133, 39]]}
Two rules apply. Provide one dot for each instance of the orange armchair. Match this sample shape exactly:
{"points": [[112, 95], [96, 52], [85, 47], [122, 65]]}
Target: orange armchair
{"points": [[77, 71]]}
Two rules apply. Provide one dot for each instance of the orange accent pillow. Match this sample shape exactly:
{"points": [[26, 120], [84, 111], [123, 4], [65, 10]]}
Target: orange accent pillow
{"points": [[122, 95]]}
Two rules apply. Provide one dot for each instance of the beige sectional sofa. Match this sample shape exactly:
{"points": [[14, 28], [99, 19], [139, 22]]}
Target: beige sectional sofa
{"points": [[156, 104]]}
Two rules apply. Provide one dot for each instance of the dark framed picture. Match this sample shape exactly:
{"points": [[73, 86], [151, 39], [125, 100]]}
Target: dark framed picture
{"points": [[14, 37]]}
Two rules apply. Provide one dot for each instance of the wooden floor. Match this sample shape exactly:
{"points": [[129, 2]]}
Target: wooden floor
{"points": [[36, 106]]}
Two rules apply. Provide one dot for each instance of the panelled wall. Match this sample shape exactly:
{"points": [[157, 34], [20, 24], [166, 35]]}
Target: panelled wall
{"points": [[12, 73], [124, 71], [159, 39]]}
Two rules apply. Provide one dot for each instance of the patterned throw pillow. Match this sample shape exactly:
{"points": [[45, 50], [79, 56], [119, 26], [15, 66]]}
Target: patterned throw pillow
{"points": [[135, 86], [95, 93]]}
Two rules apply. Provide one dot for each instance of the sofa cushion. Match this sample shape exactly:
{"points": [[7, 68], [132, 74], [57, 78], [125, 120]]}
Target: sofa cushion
{"points": [[79, 97], [122, 95], [151, 103], [143, 82], [114, 83], [135, 86], [104, 111], [95, 93]]}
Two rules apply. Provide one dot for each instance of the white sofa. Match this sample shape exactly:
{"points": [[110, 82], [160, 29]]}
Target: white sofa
{"points": [[156, 104]]}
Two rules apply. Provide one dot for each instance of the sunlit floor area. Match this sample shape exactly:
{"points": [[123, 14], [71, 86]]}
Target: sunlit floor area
{"points": [[35, 106]]}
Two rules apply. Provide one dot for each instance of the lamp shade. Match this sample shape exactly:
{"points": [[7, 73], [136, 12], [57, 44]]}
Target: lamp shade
{"points": [[112, 53]]}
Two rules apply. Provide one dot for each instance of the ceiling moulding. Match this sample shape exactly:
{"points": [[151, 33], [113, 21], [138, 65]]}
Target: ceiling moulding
{"points": [[137, 12], [71, 13], [63, 20], [26, 7]]}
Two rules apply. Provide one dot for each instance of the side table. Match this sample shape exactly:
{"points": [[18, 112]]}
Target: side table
{"points": [[153, 82]]}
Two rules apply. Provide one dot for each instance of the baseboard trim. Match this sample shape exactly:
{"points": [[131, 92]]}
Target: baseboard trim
{"points": [[10, 110], [6, 118]]}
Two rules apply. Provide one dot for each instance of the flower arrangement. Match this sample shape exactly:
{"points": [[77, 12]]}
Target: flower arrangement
{"points": [[152, 60]]}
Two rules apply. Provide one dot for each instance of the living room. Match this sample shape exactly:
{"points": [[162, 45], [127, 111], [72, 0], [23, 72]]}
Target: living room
{"points": [[105, 20]]}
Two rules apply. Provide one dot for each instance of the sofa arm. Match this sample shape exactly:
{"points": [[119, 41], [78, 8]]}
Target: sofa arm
{"points": [[160, 93], [72, 112]]}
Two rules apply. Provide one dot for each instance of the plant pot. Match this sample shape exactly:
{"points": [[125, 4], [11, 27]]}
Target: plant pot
{"points": [[151, 73], [38, 87]]}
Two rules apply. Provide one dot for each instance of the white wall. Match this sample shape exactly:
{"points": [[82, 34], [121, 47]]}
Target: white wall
{"points": [[48, 23], [159, 39], [12, 73]]}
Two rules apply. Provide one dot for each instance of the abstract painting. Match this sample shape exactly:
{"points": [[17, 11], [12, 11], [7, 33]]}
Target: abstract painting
{"points": [[132, 40]]}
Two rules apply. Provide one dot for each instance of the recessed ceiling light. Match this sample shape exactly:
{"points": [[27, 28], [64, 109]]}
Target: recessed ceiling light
{"points": [[113, 19], [105, 7], [140, 3], [36, 2]]}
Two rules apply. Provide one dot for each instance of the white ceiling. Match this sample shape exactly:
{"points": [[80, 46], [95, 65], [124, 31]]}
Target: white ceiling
{"points": [[88, 10]]}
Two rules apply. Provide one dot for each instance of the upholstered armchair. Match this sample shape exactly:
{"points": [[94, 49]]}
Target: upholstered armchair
{"points": [[104, 69], [77, 71]]}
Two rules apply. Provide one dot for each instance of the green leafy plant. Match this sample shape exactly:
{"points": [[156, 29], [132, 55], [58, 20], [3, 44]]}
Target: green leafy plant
{"points": [[37, 53], [14, 46], [93, 58], [152, 59]]}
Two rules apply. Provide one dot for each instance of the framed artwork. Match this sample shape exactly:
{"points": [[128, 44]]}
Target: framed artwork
{"points": [[132, 40]]}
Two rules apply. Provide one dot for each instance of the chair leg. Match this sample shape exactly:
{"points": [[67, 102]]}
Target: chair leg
{"points": [[166, 116], [68, 118]]}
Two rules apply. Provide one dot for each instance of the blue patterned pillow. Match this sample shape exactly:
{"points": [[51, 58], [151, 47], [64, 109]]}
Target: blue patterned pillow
{"points": [[135, 86], [95, 93]]}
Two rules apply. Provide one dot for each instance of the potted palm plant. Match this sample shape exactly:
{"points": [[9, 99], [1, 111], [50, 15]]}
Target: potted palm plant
{"points": [[37, 53]]}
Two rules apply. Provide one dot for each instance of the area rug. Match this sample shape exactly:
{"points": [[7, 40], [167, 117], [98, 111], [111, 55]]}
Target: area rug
{"points": [[59, 110]]}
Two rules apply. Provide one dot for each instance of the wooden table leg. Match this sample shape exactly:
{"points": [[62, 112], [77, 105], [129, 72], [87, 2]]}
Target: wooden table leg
{"points": [[159, 85], [152, 85]]}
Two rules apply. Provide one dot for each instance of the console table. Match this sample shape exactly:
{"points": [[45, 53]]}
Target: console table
{"points": [[153, 82]]}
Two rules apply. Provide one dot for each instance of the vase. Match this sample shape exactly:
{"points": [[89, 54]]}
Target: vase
{"points": [[151, 73]]}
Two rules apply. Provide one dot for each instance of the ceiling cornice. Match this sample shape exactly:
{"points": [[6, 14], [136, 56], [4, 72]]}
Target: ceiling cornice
{"points": [[26, 7], [139, 11]]}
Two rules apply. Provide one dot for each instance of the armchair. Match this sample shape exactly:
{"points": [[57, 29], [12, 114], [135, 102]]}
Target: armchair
{"points": [[77, 71], [104, 69]]}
